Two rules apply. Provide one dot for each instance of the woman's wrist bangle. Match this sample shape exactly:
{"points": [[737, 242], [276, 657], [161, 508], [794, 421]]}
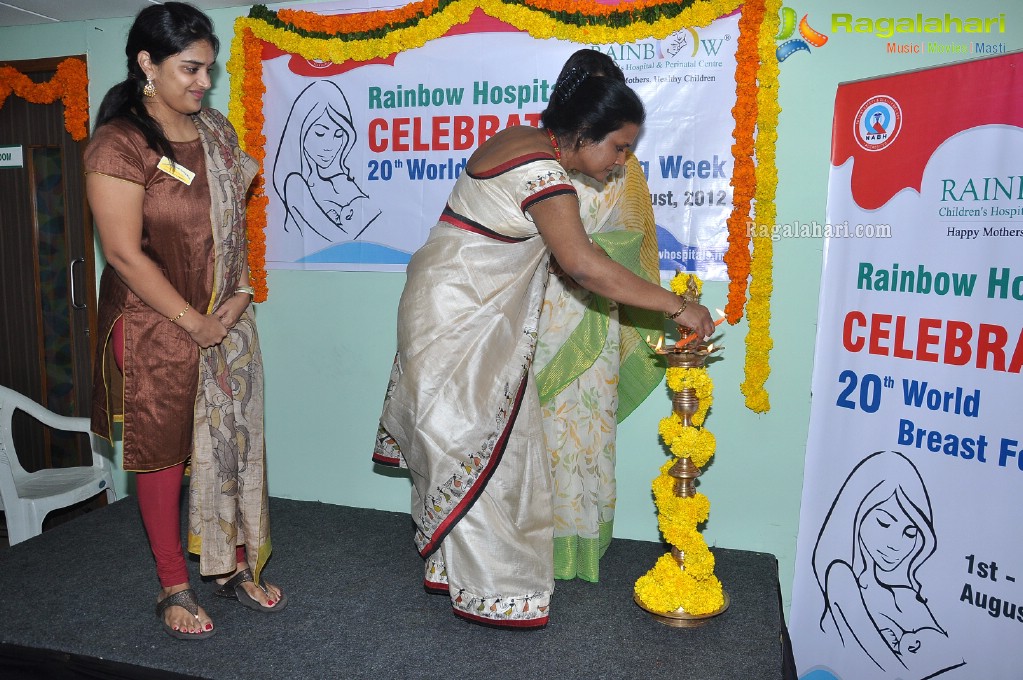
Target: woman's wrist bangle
{"points": [[180, 314], [248, 290], [678, 313]]}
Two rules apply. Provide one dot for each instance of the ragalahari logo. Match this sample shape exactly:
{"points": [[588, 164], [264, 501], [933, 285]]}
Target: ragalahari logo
{"points": [[808, 36]]}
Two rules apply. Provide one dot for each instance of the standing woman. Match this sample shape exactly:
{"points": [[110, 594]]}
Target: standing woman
{"points": [[461, 411], [179, 360]]}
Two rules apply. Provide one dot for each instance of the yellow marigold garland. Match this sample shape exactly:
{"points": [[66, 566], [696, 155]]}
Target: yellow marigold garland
{"points": [[70, 84], [679, 379], [680, 284], [541, 25], [667, 587], [758, 311], [696, 444]]}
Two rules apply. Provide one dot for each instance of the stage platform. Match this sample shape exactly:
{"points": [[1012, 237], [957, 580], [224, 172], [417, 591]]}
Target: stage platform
{"points": [[78, 602]]}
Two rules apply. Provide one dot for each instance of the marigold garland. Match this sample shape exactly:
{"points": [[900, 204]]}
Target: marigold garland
{"points": [[747, 62], [699, 380], [629, 27], [696, 444], [597, 9], [691, 587], [680, 284], [378, 34], [666, 588], [758, 312], [578, 13], [362, 22], [70, 84]]}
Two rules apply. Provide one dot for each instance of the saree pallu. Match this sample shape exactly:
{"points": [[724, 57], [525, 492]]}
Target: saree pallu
{"points": [[593, 367], [227, 487], [461, 412]]}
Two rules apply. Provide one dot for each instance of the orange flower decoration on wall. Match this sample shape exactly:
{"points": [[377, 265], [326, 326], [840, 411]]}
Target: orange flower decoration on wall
{"points": [[70, 84]]}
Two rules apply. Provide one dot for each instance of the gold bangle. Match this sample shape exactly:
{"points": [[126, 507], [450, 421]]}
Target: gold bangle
{"points": [[248, 290], [180, 314], [681, 309]]}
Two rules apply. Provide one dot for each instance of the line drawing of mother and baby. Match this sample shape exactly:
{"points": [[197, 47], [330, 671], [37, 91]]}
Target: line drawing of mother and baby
{"points": [[311, 175]]}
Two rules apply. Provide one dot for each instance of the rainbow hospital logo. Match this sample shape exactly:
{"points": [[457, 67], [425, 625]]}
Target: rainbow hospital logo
{"points": [[807, 35], [877, 123]]}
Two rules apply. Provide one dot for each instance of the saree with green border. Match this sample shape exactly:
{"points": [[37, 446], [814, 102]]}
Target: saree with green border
{"points": [[593, 367]]}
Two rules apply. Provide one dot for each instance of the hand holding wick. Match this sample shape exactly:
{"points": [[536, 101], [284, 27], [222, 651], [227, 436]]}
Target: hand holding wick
{"points": [[693, 316], [693, 336]]}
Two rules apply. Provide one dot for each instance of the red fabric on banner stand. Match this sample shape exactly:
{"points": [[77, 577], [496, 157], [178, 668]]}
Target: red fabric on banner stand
{"points": [[982, 82]]}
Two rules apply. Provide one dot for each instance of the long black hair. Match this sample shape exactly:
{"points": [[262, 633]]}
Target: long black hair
{"points": [[590, 100], [162, 31]]}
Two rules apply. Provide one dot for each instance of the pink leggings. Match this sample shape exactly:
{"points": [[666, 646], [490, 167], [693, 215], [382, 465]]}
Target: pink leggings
{"points": [[159, 497]]}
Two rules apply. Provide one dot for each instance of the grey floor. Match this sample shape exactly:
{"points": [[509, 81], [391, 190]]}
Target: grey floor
{"points": [[84, 591]]}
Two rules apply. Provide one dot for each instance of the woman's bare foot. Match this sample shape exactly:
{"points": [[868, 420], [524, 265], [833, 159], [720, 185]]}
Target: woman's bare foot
{"points": [[180, 619]]}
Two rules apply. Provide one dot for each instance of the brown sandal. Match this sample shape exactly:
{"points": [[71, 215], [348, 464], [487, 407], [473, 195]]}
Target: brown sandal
{"points": [[233, 589], [187, 600]]}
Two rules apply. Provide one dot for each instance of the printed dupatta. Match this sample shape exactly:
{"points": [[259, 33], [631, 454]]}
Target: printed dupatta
{"points": [[227, 492]]}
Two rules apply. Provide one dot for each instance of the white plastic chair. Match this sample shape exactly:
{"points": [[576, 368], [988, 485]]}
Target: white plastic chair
{"points": [[27, 497]]}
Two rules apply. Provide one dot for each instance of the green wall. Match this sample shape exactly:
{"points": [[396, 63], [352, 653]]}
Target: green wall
{"points": [[328, 337]]}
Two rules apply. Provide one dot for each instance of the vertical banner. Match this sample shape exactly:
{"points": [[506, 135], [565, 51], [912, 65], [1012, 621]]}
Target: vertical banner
{"points": [[360, 156], [909, 560]]}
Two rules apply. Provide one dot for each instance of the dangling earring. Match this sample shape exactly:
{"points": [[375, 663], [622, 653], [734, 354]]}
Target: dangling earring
{"points": [[149, 89]]}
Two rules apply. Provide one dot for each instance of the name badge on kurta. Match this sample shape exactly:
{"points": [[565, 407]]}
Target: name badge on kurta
{"points": [[178, 172]]}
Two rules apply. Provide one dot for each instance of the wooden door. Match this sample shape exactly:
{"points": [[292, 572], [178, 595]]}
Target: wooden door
{"points": [[47, 278]]}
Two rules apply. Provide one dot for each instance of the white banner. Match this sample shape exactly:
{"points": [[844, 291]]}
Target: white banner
{"points": [[360, 157], [909, 561]]}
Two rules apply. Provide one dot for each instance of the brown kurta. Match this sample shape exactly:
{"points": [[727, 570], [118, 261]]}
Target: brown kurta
{"points": [[161, 361], [179, 400]]}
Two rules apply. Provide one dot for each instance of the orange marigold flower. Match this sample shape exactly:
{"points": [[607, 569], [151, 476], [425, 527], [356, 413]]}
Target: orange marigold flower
{"points": [[70, 84]]}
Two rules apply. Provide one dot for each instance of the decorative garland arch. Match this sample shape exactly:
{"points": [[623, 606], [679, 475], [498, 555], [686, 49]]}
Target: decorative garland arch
{"points": [[370, 35]]}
